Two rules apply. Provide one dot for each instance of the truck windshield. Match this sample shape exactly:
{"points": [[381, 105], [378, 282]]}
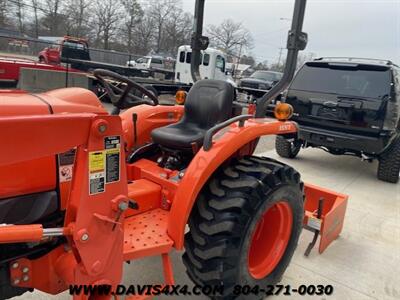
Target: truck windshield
{"points": [[143, 60], [359, 82], [74, 45], [267, 76]]}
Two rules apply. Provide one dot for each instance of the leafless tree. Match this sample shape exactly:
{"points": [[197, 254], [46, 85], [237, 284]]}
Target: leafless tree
{"points": [[248, 60], [35, 9], [304, 57], [107, 16], [78, 14], [52, 16], [151, 26], [144, 35], [160, 11], [177, 31], [134, 14], [230, 36], [19, 11], [3, 13]]}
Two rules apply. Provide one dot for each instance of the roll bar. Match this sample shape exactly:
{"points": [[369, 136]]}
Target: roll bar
{"points": [[199, 42], [297, 40]]}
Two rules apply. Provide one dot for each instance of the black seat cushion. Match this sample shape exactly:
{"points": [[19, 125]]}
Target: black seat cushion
{"points": [[208, 103]]}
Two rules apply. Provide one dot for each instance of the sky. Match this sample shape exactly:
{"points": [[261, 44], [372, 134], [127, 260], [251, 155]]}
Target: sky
{"points": [[358, 28]]}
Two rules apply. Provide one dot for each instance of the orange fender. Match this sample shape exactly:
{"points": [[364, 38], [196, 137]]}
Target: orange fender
{"points": [[148, 118], [226, 143]]}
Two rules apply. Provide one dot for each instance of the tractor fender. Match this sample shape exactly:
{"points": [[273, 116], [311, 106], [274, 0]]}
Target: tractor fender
{"points": [[227, 142], [148, 118]]}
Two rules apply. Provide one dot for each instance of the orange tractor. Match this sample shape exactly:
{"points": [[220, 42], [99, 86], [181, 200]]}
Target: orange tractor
{"points": [[83, 191]]}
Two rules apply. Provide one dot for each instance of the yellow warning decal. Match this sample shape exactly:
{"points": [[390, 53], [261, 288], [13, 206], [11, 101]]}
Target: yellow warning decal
{"points": [[113, 151], [96, 161]]}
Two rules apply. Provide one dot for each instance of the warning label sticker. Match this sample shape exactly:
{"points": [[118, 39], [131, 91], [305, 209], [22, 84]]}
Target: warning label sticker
{"points": [[96, 172], [112, 144], [66, 165], [65, 173], [104, 165], [96, 161]]}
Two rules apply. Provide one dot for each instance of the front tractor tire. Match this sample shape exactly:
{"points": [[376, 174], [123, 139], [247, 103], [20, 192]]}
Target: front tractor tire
{"points": [[245, 226], [285, 148]]}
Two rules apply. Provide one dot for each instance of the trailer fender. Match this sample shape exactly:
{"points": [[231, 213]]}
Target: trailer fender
{"points": [[227, 142]]}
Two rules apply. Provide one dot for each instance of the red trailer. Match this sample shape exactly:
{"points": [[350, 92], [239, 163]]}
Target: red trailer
{"points": [[10, 68]]}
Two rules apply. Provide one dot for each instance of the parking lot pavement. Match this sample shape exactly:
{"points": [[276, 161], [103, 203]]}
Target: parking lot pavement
{"points": [[364, 263]]}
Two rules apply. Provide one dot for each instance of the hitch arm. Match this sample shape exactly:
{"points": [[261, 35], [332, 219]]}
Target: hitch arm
{"points": [[28, 233]]}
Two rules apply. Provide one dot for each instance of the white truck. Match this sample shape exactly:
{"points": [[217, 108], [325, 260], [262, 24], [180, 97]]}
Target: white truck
{"points": [[213, 65], [155, 62]]}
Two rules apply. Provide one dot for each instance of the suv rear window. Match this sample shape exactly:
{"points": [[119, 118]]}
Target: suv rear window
{"points": [[366, 82]]}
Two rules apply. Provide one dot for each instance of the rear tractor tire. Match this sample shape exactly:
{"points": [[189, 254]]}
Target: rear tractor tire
{"points": [[286, 148], [389, 164], [245, 226]]}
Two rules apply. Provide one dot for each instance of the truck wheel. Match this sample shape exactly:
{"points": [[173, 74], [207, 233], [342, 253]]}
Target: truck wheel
{"points": [[245, 226], [285, 148], [389, 164]]}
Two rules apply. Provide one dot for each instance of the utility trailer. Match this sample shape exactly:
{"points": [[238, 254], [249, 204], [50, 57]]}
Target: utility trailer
{"points": [[76, 52], [10, 68], [73, 55]]}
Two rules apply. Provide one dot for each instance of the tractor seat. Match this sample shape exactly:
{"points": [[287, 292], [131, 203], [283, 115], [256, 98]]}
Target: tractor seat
{"points": [[208, 103]]}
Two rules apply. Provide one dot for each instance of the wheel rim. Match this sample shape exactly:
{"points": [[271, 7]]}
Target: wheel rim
{"points": [[270, 239]]}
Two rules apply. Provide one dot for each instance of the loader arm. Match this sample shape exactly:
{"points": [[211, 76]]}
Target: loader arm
{"points": [[93, 207]]}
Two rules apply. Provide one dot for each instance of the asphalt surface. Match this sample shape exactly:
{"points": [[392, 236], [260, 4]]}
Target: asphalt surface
{"points": [[364, 263]]}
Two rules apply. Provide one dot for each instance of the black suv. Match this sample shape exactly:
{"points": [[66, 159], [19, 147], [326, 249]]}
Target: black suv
{"points": [[261, 80], [347, 106]]}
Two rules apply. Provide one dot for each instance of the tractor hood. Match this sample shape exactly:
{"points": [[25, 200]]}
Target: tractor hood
{"points": [[67, 100]]}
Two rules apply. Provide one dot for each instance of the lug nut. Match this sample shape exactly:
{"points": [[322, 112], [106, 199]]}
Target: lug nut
{"points": [[15, 265], [102, 128], [25, 270], [16, 281], [84, 237], [25, 278], [123, 206]]}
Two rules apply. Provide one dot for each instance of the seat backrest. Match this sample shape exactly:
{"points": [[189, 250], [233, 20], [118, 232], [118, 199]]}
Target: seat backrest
{"points": [[209, 102]]}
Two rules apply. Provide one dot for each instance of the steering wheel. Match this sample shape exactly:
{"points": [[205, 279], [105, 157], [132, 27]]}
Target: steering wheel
{"points": [[122, 98]]}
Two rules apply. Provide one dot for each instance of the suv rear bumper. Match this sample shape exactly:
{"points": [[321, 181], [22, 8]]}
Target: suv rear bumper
{"points": [[340, 140]]}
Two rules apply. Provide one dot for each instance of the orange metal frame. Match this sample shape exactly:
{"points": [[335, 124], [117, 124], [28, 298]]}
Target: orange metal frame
{"points": [[89, 218], [100, 236]]}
